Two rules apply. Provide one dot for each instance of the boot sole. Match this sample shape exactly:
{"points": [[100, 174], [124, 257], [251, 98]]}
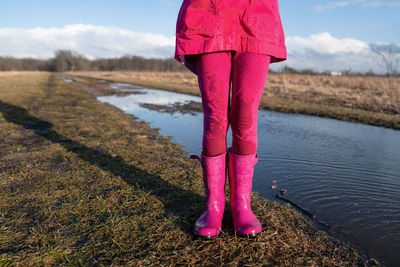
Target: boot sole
{"points": [[207, 237], [253, 235]]}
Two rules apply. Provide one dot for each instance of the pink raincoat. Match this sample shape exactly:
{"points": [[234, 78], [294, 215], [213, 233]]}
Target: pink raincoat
{"points": [[241, 25]]}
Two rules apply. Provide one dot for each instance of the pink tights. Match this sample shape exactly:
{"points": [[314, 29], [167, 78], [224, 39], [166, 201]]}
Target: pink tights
{"points": [[247, 72]]}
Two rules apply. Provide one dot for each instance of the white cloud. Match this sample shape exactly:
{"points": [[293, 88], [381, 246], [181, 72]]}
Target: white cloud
{"points": [[323, 52], [382, 3], [363, 3], [325, 43], [92, 41], [336, 4], [319, 51]]}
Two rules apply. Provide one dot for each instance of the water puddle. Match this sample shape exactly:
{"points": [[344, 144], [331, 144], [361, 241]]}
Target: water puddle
{"points": [[65, 79], [346, 174]]}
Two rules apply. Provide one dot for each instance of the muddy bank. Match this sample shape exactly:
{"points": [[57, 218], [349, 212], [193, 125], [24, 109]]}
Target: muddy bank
{"points": [[177, 107]]}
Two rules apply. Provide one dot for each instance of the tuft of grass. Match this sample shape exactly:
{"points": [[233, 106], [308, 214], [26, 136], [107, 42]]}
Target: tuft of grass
{"points": [[82, 183]]}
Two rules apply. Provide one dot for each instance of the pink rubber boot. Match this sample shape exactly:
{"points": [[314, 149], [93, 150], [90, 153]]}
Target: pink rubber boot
{"points": [[214, 171], [240, 172]]}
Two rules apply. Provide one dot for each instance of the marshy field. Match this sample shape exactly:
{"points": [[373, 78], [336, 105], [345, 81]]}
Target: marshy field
{"points": [[83, 183], [371, 100]]}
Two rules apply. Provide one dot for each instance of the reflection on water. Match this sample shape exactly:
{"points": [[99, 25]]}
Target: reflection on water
{"points": [[124, 87], [346, 174], [65, 79], [185, 129], [142, 95]]}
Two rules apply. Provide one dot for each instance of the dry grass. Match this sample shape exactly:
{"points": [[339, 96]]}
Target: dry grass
{"points": [[368, 100], [359, 92], [82, 183]]}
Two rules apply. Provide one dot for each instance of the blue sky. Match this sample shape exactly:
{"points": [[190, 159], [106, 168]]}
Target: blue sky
{"points": [[367, 21]]}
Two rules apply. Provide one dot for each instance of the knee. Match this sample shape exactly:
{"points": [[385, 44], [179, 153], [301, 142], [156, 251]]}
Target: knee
{"points": [[244, 135], [244, 118], [216, 124]]}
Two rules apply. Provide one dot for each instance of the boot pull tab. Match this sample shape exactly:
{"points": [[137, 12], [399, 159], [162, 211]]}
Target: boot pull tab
{"points": [[196, 157]]}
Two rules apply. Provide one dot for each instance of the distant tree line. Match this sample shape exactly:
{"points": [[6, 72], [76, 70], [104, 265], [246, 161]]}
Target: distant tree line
{"points": [[346, 72], [65, 60]]}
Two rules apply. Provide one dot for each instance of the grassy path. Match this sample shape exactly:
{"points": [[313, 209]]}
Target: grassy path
{"points": [[82, 183]]}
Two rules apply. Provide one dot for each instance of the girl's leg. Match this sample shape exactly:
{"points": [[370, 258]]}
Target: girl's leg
{"points": [[248, 80], [214, 71], [214, 74]]}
